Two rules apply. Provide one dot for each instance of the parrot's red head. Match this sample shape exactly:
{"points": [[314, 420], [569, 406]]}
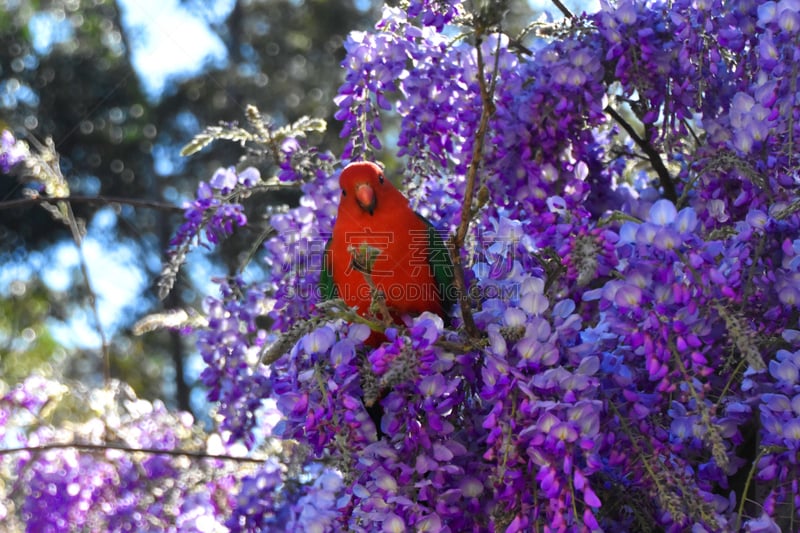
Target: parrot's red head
{"points": [[364, 187]]}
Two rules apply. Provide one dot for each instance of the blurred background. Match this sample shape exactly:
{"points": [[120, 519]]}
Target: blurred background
{"points": [[120, 86]]}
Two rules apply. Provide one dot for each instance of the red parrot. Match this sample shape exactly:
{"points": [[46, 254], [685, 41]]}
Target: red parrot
{"points": [[410, 265]]}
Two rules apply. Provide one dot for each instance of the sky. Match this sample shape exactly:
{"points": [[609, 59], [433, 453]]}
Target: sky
{"points": [[171, 40]]}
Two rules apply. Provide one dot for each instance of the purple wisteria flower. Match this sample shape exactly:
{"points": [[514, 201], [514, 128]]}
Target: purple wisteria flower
{"points": [[210, 213], [12, 151], [65, 479]]}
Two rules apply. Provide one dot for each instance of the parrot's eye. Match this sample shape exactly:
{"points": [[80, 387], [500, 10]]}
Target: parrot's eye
{"points": [[344, 192], [380, 178]]}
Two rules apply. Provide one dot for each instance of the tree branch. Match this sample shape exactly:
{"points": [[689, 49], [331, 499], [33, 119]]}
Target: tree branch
{"points": [[96, 448], [457, 240], [92, 200], [652, 155], [564, 9], [77, 236]]}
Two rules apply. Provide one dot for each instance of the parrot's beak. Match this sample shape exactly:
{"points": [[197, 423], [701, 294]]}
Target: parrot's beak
{"points": [[365, 196]]}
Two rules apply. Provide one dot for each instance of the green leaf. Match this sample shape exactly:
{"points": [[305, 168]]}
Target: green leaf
{"points": [[327, 287], [442, 266]]}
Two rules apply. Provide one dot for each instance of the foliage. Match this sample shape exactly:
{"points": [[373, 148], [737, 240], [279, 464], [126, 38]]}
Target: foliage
{"points": [[622, 190], [25, 342]]}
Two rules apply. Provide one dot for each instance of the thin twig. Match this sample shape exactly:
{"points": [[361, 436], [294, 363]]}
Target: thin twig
{"points": [[255, 247], [127, 449], [98, 200], [561, 7], [457, 240], [78, 238], [43, 166], [457, 347], [793, 92], [688, 126]]}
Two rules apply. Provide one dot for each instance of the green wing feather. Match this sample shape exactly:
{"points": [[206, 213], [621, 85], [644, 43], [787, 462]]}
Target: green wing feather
{"points": [[442, 266], [326, 285], [438, 257]]}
